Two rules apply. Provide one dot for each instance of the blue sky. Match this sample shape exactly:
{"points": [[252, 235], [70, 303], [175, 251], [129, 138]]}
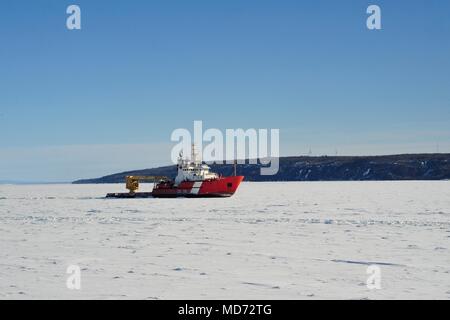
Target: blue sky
{"points": [[77, 104]]}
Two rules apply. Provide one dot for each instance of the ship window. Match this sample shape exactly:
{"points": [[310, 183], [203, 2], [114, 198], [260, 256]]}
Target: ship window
{"points": [[229, 184]]}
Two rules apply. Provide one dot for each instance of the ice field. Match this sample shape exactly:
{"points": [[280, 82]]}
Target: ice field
{"points": [[296, 240]]}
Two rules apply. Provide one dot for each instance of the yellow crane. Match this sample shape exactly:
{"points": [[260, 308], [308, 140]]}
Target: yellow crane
{"points": [[132, 182]]}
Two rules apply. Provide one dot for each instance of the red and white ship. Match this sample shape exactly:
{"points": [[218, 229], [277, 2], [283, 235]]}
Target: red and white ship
{"points": [[194, 179]]}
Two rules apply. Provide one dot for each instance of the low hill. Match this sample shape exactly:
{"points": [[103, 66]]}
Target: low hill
{"points": [[325, 168]]}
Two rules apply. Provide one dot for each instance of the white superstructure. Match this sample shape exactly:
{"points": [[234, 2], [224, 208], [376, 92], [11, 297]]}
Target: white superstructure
{"points": [[193, 169]]}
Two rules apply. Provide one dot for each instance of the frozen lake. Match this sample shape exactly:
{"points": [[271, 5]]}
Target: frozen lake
{"points": [[311, 240]]}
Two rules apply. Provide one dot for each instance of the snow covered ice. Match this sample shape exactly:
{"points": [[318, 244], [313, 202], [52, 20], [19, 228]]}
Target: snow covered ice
{"points": [[297, 240]]}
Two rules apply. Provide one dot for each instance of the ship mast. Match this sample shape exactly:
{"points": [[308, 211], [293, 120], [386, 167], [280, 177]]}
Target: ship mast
{"points": [[193, 155]]}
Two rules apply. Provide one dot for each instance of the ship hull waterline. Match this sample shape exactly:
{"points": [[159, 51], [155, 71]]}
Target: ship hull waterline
{"points": [[223, 187], [218, 188]]}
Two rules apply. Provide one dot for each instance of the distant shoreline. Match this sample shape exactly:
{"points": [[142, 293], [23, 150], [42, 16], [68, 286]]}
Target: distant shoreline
{"points": [[325, 168], [410, 167], [121, 183], [19, 183]]}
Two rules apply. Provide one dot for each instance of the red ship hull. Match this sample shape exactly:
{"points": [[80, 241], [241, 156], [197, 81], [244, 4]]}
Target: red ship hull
{"points": [[221, 187]]}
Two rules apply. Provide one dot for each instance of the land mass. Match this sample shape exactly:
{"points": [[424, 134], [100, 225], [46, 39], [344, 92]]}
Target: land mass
{"points": [[325, 168]]}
